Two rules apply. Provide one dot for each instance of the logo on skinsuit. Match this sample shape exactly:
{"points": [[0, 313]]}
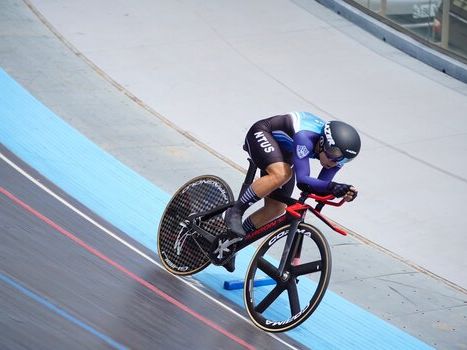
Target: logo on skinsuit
{"points": [[263, 142], [302, 151]]}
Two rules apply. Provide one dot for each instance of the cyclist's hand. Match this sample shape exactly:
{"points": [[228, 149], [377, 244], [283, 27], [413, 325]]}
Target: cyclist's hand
{"points": [[351, 194], [339, 190]]}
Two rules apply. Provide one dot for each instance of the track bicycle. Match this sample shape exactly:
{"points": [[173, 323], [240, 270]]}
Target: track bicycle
{"points": [[295, 255]]}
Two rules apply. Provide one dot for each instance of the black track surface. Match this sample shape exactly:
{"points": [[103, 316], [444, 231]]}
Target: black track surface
{"points": [[44, 261]]}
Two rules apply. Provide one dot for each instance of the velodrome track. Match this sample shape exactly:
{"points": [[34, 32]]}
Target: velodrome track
{"points": [[425, 307], [97, 282]]}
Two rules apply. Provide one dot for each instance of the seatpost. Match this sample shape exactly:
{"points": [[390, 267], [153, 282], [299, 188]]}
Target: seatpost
{"points": [[250, 176]]}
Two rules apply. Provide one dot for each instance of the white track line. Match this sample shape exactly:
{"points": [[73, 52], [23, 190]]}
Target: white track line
{"points": [[128, 245]]}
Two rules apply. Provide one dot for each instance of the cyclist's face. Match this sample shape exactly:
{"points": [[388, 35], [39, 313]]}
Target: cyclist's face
{"points": [[325, 161]]}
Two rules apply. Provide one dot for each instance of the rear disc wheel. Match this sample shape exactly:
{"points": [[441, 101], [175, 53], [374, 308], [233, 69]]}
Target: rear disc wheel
{"points": [[182, 250]]}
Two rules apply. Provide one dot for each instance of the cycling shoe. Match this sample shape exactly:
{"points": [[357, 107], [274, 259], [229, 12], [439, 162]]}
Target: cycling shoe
{"points": [[233, 220], [230, 264]]}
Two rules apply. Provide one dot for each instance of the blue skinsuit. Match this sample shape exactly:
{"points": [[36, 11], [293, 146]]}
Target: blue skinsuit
{"points": [[308, 129]]}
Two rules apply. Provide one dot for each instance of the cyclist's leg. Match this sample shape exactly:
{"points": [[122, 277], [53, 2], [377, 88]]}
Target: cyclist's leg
{"points": [[272, 208], [277, 174], [264, 150]]}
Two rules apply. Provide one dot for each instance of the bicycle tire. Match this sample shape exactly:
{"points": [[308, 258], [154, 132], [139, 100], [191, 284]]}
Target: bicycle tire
{"points": [[189, 254], [266, 306]]}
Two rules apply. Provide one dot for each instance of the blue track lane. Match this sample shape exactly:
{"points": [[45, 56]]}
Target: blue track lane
{"points": [[134, 205]]}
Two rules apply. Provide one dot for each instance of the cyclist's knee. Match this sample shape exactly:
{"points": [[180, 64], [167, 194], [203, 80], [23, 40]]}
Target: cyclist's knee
{"points": [[280, 173]]}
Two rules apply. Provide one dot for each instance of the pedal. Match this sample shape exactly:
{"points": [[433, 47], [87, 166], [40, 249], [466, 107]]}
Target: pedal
{"points": [[229, 265], [223, 247]]}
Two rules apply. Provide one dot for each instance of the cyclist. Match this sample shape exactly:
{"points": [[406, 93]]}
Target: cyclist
{"points": [[281, 146]]}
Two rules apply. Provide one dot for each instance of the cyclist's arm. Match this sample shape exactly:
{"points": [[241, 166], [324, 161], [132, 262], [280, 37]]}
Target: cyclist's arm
{"points": [[328, 174], [304, 142]]}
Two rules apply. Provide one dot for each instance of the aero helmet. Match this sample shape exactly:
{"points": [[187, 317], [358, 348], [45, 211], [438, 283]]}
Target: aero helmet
{"points": [[341, 141]]}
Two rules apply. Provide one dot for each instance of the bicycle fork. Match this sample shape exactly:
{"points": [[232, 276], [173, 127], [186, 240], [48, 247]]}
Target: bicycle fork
{"points": [[294, 241], [291, 242]]}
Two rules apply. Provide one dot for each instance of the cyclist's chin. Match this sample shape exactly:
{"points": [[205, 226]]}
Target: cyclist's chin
{"points": [[327, 164]]}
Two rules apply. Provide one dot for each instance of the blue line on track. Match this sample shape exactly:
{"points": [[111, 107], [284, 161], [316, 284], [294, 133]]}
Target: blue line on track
{"points": [[44, 302], [134, 205]]}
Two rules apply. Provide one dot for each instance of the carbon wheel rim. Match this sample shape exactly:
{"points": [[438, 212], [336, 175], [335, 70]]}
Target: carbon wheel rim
{"points": [[277, 315]]}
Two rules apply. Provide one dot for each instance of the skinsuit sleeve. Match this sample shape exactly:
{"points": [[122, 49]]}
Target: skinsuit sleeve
{"points": [[304, 145]]}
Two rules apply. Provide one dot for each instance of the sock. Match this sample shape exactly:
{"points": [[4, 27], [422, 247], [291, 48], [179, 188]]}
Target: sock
{"points": [[248, 198], [248, 225]]}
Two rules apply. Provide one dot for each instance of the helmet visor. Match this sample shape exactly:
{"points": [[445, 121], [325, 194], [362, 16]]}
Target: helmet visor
{"points": [[334, 153]]}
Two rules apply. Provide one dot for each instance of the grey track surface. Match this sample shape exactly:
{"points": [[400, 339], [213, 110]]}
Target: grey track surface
{"points": [[51, 265], [367, 275]]}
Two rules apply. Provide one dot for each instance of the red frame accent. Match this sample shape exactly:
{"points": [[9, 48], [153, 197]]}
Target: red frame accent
{"points": [[297, 210]]}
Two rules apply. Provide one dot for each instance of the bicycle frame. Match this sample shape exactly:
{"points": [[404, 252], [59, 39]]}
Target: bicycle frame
{"points": [[303, 248], [294, 214]]}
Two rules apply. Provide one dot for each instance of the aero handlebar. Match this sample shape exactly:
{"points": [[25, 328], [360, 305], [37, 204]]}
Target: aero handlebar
{"points": [[326, 199], [296, 208]]}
